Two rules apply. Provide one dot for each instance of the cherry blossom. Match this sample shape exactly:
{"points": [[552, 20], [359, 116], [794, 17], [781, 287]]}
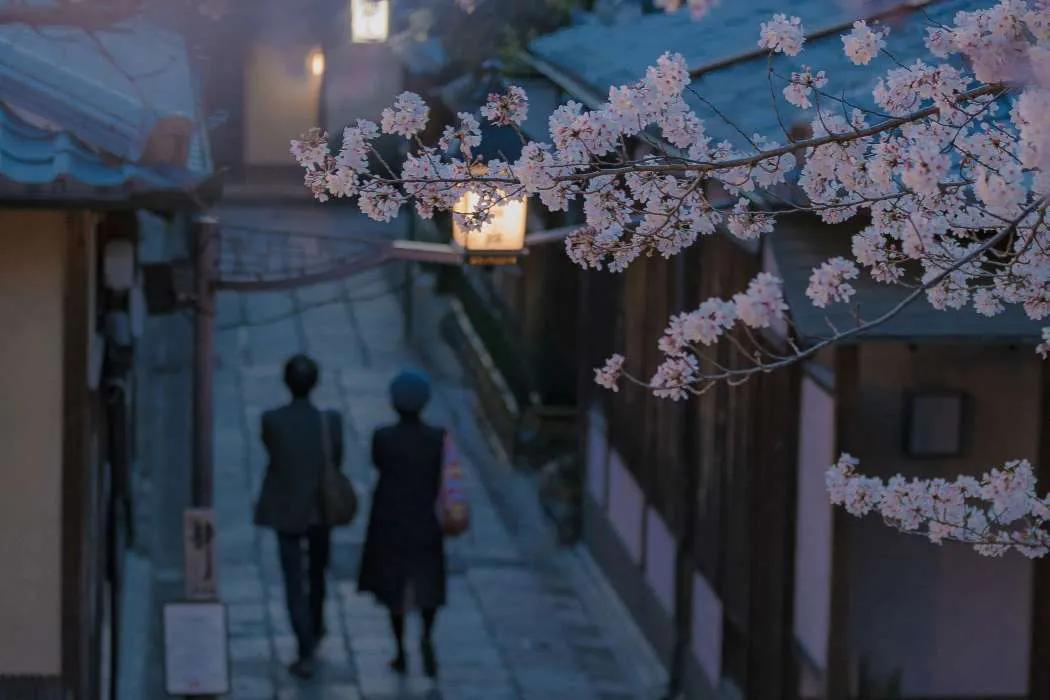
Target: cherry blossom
{"points": [[310, 149], [467, 134], [782, 35], [509, 108], [381, 202], [862, 44], [609, 375], [996, 513], [1044, 347], [407, 117], [762, 303], [828, 282], [675, 377], [943, 169], [801, 86], [697, 8]]}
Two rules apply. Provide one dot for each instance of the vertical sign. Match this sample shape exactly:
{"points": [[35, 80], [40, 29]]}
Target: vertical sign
{"points": [[199, 543], [196, 662]]}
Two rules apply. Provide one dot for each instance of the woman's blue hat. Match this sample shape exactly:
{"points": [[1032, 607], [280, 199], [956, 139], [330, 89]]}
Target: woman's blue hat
{"points": [[410, 391]]}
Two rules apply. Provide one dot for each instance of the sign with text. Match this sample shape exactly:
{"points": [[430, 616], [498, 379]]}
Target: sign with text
{"points": [[196, 660], [202, 581]]}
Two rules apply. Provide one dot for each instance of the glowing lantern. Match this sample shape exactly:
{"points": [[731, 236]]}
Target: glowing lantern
{"points": [[499, 240], [316, 62], [369, 21]]}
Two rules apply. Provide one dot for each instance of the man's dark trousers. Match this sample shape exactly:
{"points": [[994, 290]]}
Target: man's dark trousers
{"points": [[304, 582]]}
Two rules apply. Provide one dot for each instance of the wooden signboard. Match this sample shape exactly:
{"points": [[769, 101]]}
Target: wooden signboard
{"points": [[202, 582], [196, 660]]}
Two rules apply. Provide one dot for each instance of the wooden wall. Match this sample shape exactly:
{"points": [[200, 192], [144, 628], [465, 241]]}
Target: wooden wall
{"points": [[740, 440]]}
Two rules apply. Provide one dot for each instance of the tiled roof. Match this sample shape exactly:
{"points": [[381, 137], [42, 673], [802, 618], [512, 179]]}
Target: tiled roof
{"points": [[592, 57], [599, 55], [107, 87], [78, 110], [38, 163]]}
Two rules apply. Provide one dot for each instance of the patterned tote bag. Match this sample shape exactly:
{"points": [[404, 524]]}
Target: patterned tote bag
{"points": [[453, 506]]}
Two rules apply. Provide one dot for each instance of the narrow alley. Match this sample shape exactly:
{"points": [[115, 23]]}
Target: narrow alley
{"points": [[526, 618]]}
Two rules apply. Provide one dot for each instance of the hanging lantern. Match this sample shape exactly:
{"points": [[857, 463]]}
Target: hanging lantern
{"points": [[369, 21], [500, 240], [315, 62]]}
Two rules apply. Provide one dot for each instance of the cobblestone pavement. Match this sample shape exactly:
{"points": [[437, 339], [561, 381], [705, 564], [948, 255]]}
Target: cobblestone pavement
{"points": [[522, 621]]}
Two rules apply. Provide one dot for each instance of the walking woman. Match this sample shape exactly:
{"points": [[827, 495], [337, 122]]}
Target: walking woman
{"points": [[300, 439], [403, 563]]}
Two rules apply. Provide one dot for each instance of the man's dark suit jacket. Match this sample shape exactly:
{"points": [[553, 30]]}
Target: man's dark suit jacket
{"points": [[290, 496]]}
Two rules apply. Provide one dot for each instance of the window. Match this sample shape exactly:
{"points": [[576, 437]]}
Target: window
{"points": [[934, 423]]}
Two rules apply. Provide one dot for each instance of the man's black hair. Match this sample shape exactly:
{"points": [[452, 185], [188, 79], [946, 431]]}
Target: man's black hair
{"points": [[300, 375]]}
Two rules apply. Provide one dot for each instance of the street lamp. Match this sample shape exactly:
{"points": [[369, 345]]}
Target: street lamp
{"points": [[500, 240], [369, 21]]}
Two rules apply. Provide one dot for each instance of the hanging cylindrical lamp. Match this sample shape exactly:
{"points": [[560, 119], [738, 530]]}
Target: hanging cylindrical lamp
{"points": [[369, 21], [315, 62], [500, 240]]}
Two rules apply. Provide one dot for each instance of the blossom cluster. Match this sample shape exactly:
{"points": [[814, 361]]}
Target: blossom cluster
{"points": [[697, 8], [862, 44], [996, 513], [507, 109], [945, 171], [946, 174], [758, 307], [828, 283]]}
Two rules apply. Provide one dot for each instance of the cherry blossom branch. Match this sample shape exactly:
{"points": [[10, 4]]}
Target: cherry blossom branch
{"points": [[681, 371], [946, 170], [995, 514]]}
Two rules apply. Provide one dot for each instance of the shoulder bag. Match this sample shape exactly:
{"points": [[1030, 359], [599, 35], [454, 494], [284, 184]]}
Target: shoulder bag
{"points": [[338, 498]]}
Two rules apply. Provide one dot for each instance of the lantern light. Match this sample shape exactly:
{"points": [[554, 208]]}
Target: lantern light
{"points": [[316, 62], [500, 240], [369, 21]]}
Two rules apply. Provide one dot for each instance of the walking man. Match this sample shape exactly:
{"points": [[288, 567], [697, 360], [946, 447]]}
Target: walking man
{"points": [[300, 440]]}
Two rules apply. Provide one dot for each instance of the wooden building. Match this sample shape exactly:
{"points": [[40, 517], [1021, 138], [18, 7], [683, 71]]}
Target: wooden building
{"points": [[76, 171], [710, 516]]}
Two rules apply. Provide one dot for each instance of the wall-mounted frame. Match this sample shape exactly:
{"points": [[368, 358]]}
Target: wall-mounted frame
{"points": [[934, 423]]}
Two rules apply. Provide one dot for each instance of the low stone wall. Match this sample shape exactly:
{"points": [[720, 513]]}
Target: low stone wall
{"points": [[501, 410]]}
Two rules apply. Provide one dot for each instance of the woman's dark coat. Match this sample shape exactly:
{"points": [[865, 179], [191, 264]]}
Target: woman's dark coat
{"points": [[404, 546], [290, 497]]}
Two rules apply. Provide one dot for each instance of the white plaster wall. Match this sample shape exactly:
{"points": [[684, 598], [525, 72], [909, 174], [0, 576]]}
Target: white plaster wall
{"points": [[597, 456], [816, 452], [363, 80], [707, 629], [282, 99], [31, 313], [953, 622], [659, 559], [626, 506]]}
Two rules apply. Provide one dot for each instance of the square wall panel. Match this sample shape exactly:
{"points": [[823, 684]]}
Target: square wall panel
{"points": [[707, 629], [659, 559], [597, 456], [626, 506]]}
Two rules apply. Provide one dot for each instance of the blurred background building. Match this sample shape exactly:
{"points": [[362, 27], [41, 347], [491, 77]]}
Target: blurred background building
{"points": [[103, 160]]}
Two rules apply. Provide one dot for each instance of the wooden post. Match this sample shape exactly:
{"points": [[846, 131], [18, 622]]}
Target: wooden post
{"points": [[409, 282], [77, 467], [1039, 665], [205, 246], [847, 377], [685, 565]]}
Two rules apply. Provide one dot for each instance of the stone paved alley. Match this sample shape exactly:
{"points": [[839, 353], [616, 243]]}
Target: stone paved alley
{"points": [[526, 619]]}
